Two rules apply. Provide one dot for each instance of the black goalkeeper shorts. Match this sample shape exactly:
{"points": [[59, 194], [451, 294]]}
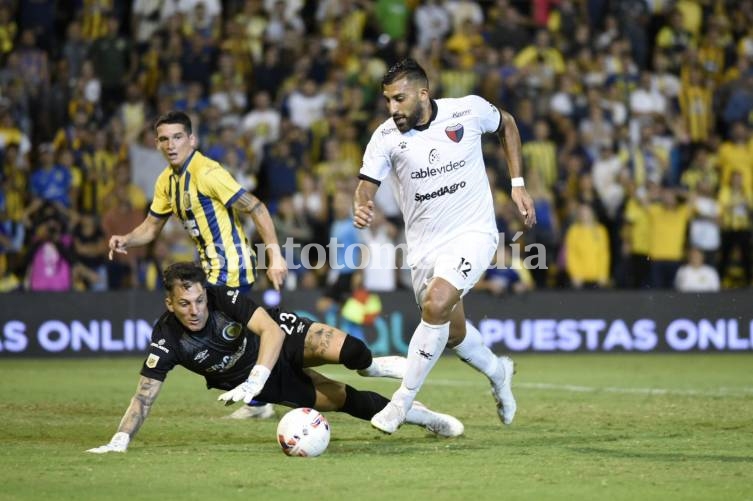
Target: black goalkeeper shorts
{"points": [[288, 384]]}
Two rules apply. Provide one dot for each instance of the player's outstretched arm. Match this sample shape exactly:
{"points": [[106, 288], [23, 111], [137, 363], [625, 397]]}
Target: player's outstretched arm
{"points": [[510, 137], [277, 269], [134, 417], [363, 204], [271, 337], [270, 345], [140, 235]]}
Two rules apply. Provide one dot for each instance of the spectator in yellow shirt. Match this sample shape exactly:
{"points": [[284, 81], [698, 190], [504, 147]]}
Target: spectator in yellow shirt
{"points": [[462, 45], [668, 222], [635, 232], [587, 252], [673, 38], [736, 203], [542, 51], [702, 169], [735, 156]]}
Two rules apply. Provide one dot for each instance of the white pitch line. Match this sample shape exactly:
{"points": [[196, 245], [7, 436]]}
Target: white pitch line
{"points": [[717, 392], [724, 391]]}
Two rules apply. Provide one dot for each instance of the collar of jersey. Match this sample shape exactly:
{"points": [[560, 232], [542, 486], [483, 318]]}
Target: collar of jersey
{"points": [[185, 164], [431, 119]]}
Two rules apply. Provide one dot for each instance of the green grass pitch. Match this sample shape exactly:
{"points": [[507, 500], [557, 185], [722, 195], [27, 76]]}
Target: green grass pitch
{"points": [[602, 427]]}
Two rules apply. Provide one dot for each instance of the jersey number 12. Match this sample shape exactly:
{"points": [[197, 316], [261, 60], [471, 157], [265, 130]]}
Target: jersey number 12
{"points": [[464, 267]]}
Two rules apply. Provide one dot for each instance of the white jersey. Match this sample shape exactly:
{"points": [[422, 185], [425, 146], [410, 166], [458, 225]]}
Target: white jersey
{"points": [[442, 186]]}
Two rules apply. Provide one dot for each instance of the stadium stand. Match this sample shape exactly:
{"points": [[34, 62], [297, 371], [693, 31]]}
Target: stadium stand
{"points": [[639, 111]]}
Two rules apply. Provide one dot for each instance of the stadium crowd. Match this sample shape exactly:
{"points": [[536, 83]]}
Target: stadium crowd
{"points": [[635, 119]]}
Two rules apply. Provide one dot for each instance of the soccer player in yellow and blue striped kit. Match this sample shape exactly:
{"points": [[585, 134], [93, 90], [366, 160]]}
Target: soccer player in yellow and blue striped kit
{"points": [[209, 203]]}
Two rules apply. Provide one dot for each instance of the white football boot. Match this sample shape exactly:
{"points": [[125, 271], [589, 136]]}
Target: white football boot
{"points": [[502, 390], [443, 425], [266, 411], [389, 419], [393, 367]]}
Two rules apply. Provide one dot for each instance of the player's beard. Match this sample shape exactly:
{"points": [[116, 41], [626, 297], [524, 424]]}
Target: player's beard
{"points": [[409, 121]]}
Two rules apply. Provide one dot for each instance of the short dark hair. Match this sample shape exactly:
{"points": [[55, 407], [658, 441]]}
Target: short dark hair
{"points": [[184, 272], [175, 117], [409, 69]]}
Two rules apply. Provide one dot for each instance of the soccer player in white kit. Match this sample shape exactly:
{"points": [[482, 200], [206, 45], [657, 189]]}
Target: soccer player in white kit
{"points": [[432, 148]]}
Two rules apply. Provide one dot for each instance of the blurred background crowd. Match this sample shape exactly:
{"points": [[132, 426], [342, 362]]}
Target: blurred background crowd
{"points": [[634, 115]]}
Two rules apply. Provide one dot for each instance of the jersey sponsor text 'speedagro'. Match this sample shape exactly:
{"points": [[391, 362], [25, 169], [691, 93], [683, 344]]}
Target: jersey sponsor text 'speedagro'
{"points": [[442, 187]]}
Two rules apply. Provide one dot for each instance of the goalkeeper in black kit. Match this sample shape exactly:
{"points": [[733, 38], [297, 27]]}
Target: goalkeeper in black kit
{"points": [[253, 353]]}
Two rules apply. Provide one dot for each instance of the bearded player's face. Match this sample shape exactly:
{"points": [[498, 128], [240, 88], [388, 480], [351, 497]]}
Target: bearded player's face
{"points": [[405, 102]]}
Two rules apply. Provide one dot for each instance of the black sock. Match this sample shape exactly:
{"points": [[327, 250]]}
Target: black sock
{"points": [[362, 404], [355, 354]]}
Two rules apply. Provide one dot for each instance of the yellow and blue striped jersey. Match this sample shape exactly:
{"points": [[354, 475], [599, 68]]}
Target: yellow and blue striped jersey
{"points": [[201, 196]]}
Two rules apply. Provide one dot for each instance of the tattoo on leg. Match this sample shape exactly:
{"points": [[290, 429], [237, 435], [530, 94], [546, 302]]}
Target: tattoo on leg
{"points": [[318, 342]]}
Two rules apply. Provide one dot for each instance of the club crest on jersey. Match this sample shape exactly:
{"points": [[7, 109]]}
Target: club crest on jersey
{"points": [[231, 332], [455, 132], [187, 200]]}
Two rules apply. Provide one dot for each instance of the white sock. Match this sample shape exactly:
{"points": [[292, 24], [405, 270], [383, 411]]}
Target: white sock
{"points": [[391, 366], [424, 349], [474, 352], [373, 370]]}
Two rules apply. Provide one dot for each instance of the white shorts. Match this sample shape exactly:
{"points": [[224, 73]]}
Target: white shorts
{"points": [[461, 262]]}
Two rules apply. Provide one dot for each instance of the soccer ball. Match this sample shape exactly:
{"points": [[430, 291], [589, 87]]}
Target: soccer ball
{"points": [[303, 432]]}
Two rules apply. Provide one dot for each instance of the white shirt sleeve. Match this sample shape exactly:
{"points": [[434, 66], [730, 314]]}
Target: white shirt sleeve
{"points": [[487, 113], [376, 160]]}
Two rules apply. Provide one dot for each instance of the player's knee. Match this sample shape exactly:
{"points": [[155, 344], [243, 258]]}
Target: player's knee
{"points": [[437, 305], [355, 354]]}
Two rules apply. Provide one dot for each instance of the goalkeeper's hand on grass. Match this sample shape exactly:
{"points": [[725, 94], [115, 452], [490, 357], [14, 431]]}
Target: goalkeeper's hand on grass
{"points": [[118, 443], [248, 389]]}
